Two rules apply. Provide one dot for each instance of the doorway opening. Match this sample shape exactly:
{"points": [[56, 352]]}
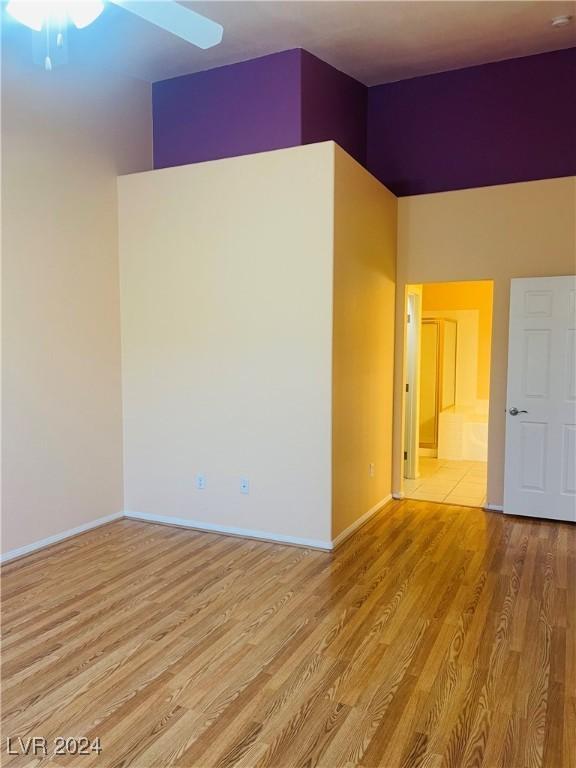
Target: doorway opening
{"points": [[446, 403]]}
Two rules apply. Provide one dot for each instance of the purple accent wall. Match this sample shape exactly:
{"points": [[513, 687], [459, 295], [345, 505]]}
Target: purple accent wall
{"points": [[333, 107], [493, 124], [504, 122], [276, 101], [239, 109]]}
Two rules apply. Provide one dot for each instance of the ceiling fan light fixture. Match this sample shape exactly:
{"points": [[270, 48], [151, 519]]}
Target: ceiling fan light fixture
{"points": [[35, 14], [52, 17], [83, 12], [30, 14]]}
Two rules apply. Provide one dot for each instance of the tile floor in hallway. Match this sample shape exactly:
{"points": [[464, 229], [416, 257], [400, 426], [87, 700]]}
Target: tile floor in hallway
{"points": [[454, 482]]}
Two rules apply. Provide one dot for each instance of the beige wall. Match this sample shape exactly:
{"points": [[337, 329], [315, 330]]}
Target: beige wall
{"points": [[492, 233], [363, 356], [65, 136], [226, 274]]}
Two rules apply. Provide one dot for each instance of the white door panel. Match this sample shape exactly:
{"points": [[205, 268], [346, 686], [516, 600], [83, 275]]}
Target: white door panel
{"points": [[540, 472]]}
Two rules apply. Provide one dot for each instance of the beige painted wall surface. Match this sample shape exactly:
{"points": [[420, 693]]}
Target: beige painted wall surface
{"points": [[65, 136], [226, 273], [492, 233], [363, 357]]}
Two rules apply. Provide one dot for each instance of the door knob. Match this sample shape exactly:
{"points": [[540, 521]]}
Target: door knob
{"points": [[515, 411]]}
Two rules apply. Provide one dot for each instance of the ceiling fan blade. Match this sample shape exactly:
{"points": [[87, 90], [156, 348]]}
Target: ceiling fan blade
{"points": [[175, 18]]}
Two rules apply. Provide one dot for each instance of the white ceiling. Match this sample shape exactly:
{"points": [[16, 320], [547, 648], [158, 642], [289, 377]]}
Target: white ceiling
{"points": [[373, 41]]}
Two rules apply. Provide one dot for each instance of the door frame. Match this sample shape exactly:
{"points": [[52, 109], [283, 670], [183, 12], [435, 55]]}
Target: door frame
{"points": [[438, 323], [413, 287], [411, 442]]}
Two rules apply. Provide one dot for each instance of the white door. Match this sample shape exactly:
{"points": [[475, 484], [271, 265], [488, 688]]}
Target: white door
{"points": [[540, 472]]}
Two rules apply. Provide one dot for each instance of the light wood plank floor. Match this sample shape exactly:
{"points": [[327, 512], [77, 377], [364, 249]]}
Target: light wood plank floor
{"points": [[438, 636]]}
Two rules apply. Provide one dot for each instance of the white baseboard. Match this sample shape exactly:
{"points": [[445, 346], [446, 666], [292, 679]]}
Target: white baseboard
{"points": [[347, 532], [230, 530], [246, 533], [398, 495], [494, 507], [29, 548]]}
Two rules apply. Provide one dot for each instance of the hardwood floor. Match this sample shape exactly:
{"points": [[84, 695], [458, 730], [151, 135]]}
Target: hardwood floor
{"points": [[437, 636]]}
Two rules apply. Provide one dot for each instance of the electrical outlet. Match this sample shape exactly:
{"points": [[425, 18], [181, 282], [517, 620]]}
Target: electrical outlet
{"points": [[371, 469], [200, 482], [244, 485]]}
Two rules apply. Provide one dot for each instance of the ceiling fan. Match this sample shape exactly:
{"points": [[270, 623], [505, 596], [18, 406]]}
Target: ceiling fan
{"points": [[54, 16]]}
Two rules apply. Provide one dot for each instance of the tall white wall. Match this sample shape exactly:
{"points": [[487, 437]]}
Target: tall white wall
{"points": [[65, 137], [226, 282]]}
